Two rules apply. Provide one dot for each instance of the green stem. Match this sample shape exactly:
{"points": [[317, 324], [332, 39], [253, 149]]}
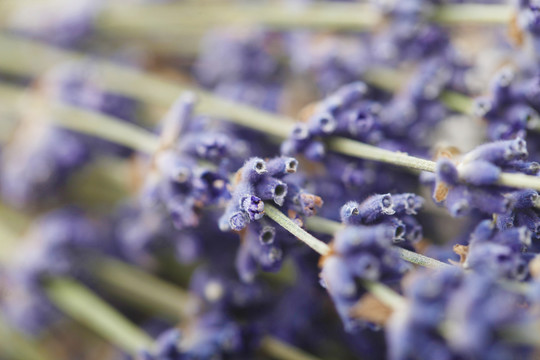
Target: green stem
{"points": [[176, 18], [283, 351], [296, 230], [329, 227], [474, 14], [421, 260], [384, 294], [138, 286], [105, 127], [360, 150], [84, 306], [457, 102]]}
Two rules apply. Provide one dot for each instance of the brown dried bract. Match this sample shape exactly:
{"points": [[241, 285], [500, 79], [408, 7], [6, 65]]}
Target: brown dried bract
{"points": [[371, 309], [307, 112], [441, 188], [441, 191], [534, 267], [514, 31], [462, 251]]}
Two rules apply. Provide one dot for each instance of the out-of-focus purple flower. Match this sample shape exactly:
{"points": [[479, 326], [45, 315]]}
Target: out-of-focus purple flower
{"points": [[359, 252]]}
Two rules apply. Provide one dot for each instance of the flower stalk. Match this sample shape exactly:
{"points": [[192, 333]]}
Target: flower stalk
{"points": [[84, 306]]}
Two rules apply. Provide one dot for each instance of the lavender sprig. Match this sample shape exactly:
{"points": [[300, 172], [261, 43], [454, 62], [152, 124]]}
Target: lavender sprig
{"points": [[144, 141]]}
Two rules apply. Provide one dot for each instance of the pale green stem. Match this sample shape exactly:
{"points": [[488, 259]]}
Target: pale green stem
{"points": [[141, 287], [421, 260], [360, 150], [104, 127], [329, 227], [283, 351], [296, 230], [474, 14], [386, 295], [177, 18], [84, 306], [457, 102], [14, 345], [323, 225]]}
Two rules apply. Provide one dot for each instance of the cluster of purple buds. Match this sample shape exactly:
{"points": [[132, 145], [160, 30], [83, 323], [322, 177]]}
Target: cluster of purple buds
{"points": [[217, 331], [251, 73], [364, 248], [208, 337], [410, 35], [190, 169], [511, 109], [453, 316], [498, 253], [470, 183], [347, 112], [258, 181], [393, 211]]}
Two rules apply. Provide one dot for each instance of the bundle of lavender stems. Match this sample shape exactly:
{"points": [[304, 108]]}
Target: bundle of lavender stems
{"points": [[292, 179]]}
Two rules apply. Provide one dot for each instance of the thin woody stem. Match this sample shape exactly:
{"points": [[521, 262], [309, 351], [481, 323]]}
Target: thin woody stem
{"points": [[329, 227], [296, 230], [84, 306]]}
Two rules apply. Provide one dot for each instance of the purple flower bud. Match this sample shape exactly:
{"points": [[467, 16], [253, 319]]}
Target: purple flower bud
{"points": [[281, 166], [267, 235], [499, 152], [253, 206], [413, 229], [338, 279], [496, 260], [483, 106], [350, 93], [528, 168], [399, 229], [447, 171], [530, 220], [322, 124], [407, 203], [177, 118], [490, 201], [365, 266], [483, 232], [246, 265], [315, 151], [479, 172], [272, 189], [253, 170], [237, 221], [300, 132], [352, 238], [376, 207], [458, 202], [350, 213], [518, 239], [524, 199]]}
